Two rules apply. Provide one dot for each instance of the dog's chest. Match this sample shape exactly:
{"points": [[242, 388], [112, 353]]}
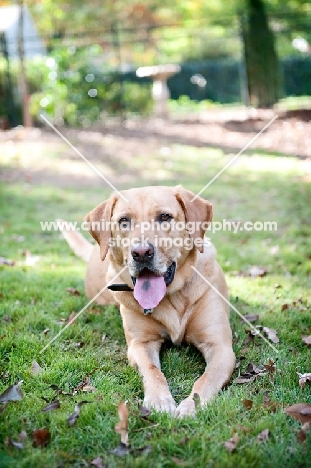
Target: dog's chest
{"points": [[174, 315]]}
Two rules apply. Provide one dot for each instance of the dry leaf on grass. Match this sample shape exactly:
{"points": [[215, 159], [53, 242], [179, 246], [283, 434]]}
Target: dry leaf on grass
{"points": [[257, 271], [73, 291], [98, 462], [35, 368], [302, 433], [71, 420], [252, 373], [23, 436], [268, 404], [264, 435], [248, 404], [12, 393], [244, 379], [232, 443], [301, 412], [41, 437], [12, 443], [6, 261], [122, 426], [54, 405], [121, 450], [71, 319], [271, 334], [306, 340], [251, 317], [304, 378], [270, 367], [89, 388]]}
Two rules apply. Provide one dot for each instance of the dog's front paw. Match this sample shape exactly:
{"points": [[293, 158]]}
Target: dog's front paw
{"points": [[186, 408], [163, 403]]}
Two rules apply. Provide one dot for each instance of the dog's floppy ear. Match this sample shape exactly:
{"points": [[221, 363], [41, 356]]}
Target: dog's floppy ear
{"points": [[196, 211], [99, 224]]}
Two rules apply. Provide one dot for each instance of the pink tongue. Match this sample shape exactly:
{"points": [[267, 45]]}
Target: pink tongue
{"points": [[149, 289]]}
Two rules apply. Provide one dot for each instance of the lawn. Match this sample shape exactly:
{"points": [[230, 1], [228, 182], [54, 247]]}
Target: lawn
{"points": [[51, 182]]}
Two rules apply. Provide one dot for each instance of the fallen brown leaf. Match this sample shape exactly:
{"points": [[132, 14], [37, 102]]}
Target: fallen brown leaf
{"points": [[41, 437], [301, 412], [71, 319], [54, 405], [306, 339], [264, 435], [248, 404], [304, 378], [232, 443], [302, 433], [270, 367], [122, 426], [271, 334], [23, 436], [78, 345], [98, 462], [35, 368], [6, 261], [12, 393], [89, 388], [121, 450], [251, 317], [72, 419], [257, 271], [284, 307], [73, 291], [246, 379], [11, 443], [301, 436], [271, 405]]}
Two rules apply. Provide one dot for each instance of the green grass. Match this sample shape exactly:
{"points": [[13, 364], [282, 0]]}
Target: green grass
{"points": [[258, 187]]}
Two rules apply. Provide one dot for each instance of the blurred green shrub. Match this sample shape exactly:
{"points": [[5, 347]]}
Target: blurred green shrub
{"points": [[73, 86], [73, 90]]}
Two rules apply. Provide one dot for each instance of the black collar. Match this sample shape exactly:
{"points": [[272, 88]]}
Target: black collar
{"points": [[119, 287]]}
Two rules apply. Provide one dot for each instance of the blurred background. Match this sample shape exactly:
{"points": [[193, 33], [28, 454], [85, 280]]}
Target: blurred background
{"points": [[75, 62]]}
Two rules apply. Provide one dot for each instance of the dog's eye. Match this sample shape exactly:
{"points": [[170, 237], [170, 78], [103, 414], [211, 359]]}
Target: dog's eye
{"points": [[164, 217], [124, 223]]}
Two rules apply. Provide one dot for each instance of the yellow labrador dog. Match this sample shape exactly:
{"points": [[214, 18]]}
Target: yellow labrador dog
{"points": [[151, 248]]}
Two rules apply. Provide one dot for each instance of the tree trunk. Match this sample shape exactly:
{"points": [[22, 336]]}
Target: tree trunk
{"points": [[262, 67], [27, 120]]}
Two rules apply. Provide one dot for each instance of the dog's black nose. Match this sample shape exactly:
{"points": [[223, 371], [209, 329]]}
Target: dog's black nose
{"points": [[142, 252]]}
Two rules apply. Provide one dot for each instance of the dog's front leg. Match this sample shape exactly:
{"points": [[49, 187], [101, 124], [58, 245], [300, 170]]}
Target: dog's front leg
{"points": [[145, 355], [221, 362]]}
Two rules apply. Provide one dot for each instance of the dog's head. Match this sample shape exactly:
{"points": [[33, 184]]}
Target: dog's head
{"points": [[152, 233]]}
